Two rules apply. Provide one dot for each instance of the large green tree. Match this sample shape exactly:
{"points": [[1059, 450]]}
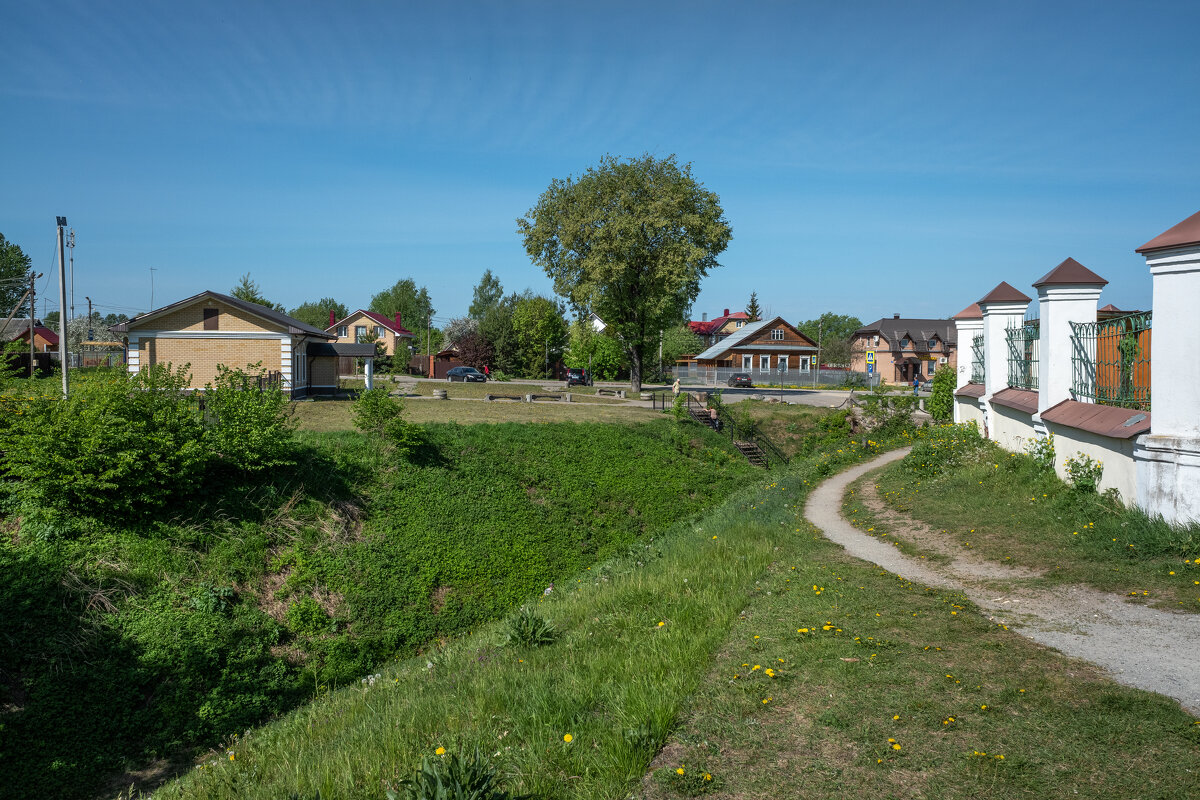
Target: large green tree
{"points": [[597, 352], [629, 240], [317, 313], [412, 303], [488, 293], [833, 332], [541, 334], [14, 275], [248, 290]]}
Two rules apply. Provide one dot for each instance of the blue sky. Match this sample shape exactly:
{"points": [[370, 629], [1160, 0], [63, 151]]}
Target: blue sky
{"points": [[871, 157]]}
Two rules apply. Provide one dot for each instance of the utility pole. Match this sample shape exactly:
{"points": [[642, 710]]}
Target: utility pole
{"points": [[71, 244], [32, 313], [90, 335], [62, 307]]}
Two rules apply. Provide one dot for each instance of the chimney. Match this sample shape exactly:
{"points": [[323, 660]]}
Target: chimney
{"points": [[398, 325], [895, 316], [727, 312], [332, 318], [704, 317]]}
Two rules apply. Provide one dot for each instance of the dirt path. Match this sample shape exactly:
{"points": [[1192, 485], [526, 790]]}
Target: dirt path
{"points": [[1139, 646]]}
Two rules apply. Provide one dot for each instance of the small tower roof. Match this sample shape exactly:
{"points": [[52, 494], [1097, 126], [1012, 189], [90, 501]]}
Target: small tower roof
{"points": [[1183, 234], [1004, 293], [1070, 272], [972, 311]]}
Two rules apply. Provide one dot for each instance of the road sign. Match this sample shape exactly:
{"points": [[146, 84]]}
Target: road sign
{"points": [[870, 358], [870, 368]]}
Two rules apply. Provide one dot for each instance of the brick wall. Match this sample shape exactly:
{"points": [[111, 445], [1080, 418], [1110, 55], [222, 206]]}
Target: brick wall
{"points": [[229, 319], [205, 354]]}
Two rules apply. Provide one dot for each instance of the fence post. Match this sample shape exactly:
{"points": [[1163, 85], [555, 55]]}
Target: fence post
{"points": [[1168, 469], [1068, 293], [1002, 308], [969, 324]]}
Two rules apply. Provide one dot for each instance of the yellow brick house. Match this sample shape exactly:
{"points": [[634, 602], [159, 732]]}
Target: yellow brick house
{"points": [[211, 329]]}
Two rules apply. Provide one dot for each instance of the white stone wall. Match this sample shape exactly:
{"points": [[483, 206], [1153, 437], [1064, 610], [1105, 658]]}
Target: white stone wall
{"points": [[966, 410], [1010, 428], [1120, 470]]}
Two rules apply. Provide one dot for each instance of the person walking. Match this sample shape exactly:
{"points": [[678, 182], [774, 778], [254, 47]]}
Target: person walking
{"points": [[916, 383], [675, 388]]}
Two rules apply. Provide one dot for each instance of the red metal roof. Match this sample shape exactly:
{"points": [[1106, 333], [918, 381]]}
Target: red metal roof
{"points": [[970, 312], [1004, 293], [1070, 272], [1119, 423], [1185, 233], [1110, 308], [970, 390], [1019, 399]]}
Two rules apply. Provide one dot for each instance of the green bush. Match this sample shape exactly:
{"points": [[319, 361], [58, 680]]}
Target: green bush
{"points": [[1041, 450], [942, 448], [248, 428], [119, 446], [941, 395], [377, 412], [1084, 473]]}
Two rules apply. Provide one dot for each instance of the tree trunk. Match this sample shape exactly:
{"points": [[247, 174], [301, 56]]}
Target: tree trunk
{"points": [[635, 369]]}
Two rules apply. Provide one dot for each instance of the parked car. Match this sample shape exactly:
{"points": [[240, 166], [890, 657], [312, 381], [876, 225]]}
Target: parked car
{"points": [[465, 375], [578, 377], [740, 379]]}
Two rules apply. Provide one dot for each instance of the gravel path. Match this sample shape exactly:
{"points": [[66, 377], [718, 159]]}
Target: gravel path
{"points": [[1139, 646]]}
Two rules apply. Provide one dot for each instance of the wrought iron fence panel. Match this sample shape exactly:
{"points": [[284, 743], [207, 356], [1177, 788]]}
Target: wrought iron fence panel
{"points": [[1023, 355], [1110, 361], [977, 363]]}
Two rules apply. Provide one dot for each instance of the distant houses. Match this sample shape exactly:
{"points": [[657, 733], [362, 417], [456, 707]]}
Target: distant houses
{"points": [[903, 348]]}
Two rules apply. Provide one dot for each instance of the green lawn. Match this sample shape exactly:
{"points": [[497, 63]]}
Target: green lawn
{"points": [[334, 415]]}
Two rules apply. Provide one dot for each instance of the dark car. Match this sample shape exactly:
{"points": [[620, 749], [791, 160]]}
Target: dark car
{"points": [[578, 377], [465, 375], [739, 379]]}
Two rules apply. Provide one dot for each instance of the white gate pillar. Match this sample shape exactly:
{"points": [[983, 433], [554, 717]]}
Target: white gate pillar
{"points": [[969, 324], [1003, 308], [1068, 293], [1168, 470]]}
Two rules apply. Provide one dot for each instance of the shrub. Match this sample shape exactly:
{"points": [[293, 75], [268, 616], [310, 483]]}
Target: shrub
{"points": [[248, 428], [376, 411], [307, 618], [941, 396], [1084, 473], [679, 407], [117, 446], [942, 448]]}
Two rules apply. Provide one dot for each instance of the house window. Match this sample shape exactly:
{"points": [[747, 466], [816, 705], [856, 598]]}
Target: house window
{"points": [[875, 341], [904, 343], [783, 363], [378, 331], [932, 343], [932, 366], [777, 335], [805, 362], [360, 332], [740, 323], [211, 317], [747, 363], [764, 363], [342, 332]]}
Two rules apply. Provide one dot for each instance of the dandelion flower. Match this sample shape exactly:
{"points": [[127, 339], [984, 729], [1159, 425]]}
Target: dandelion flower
{"points": [[679, 771], [567, 738], [441, 751]]}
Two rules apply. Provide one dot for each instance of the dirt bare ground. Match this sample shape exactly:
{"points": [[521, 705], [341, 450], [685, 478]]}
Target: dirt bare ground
{"points": [[1142, 647]]}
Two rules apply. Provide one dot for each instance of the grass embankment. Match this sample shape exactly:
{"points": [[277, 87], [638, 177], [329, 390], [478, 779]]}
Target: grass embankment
{"points": [[838, 680], [137, 641], [334, 415], [1003, 507]]}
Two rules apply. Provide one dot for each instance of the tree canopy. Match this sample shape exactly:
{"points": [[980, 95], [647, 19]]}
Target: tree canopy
{"points": [[414, 306], [317, 313], [248, 290], [14, 275], [833, 332], [488, 293], [629, 240]]}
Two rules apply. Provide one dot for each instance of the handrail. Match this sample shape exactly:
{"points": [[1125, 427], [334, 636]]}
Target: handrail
{"points": [[755, 433]]}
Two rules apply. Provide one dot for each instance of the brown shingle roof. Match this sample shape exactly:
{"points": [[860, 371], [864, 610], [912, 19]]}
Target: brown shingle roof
{"points": [[1185, 233], [1070, 272], [1119, 423], [970, 312], [1004, 293], [894, 329]]}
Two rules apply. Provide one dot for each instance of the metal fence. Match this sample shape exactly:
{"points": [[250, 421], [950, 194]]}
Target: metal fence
{"points": [[1023, 355], [978, 372], [1110, 361], [799, 378]]}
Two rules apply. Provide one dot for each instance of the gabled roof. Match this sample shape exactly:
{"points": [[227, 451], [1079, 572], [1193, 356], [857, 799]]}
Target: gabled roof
{"points": [[15, 327], [1110, 309], [390, 324], [705, 327], [294, 326], [1070, 272], [918, 330], [1004, 293], [742, 334], [1183, 234]]}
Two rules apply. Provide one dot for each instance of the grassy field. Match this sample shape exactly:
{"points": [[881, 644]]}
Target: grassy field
{"points": [[334, 415], [1002, 507], [738, 654]]}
